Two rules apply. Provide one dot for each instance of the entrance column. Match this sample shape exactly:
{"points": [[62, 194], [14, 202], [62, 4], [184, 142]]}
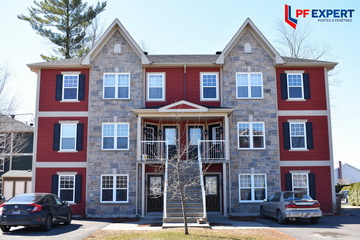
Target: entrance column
{"points": [[227, 158]]}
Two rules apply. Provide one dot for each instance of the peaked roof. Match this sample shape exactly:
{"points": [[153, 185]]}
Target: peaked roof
{"points": [[9, 124], [183, 106], [115, 25], [248, 24]]}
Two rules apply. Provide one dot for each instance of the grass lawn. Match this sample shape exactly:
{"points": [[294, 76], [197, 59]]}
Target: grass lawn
{"points": [[194, 233]]}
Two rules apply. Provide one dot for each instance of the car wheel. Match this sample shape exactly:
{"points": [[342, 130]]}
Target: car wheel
{"points": [[68, 219], [5, 228], [262, 213], [47, 224], [314, 220], [280, 218]]}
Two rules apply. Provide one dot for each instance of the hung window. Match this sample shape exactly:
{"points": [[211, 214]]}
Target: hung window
{"points": [[252, 187], [114, 188], [209, 87], [116, 86], [67, 188], [251, 135], [156, 86], [115, 136], [249, 85], [295, 86], [70, 87]]}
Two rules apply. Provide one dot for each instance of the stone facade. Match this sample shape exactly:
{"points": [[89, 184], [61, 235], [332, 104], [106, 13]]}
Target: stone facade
{"points": [[112, 111], [246, 110]]}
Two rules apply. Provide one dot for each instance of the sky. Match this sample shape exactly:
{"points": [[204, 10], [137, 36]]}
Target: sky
{"points": [[202, 27]]}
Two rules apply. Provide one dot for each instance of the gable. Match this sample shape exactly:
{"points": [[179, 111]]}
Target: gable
{"points": [[115, 26], [249, 26], [183, 106]]}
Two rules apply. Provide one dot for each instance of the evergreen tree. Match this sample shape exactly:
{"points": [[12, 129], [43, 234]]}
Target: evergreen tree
{"points": [[64, 23]]}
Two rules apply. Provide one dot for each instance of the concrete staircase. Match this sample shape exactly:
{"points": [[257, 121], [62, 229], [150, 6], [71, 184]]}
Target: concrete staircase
{"points": [[189, 176]]}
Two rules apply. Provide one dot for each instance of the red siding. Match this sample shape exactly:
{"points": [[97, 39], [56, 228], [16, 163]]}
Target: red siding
{"points": [[175, 86], [322, 181], [44, 181], [320, 136], [48, 87], [45, 152], [317, 91]]}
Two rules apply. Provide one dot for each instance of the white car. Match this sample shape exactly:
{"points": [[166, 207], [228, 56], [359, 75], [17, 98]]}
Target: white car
{"points": [[290, 205]]}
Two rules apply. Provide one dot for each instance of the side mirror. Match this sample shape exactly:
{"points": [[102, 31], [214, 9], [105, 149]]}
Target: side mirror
{"points": [[65, 203], [265, 200]]}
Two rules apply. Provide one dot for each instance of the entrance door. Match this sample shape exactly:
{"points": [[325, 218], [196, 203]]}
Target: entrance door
{"points": [[155, 196], [212, 189], [151, 147], [171, 139], [195, 134], [216, 150]]}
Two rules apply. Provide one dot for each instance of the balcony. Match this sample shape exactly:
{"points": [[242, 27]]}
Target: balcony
{"points": [[159, 151]]}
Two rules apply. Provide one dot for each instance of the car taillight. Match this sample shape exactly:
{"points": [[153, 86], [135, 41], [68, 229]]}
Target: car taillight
{"points": [[36, 207], [1, 208], [292, 205]]}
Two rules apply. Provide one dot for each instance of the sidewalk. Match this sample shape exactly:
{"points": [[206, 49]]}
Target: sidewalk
{"points": [[218, 222]]}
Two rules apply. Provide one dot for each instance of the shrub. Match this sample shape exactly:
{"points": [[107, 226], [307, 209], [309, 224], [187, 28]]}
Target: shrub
{"points": [[354, 194]]}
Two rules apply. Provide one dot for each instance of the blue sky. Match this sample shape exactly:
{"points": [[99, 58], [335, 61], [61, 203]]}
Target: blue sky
{"points": [[188, 26]]}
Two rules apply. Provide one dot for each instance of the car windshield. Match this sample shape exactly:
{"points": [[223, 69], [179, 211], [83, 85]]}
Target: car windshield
{"points": [[26, 198], [296, 196]]}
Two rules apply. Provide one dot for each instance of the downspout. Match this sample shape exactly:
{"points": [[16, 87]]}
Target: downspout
{"points": [[184, 81]]}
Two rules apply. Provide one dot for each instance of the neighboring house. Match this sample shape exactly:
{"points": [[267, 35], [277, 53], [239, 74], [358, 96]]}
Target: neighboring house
{"points": [[16, 156], [346, 174], [104, 121]]}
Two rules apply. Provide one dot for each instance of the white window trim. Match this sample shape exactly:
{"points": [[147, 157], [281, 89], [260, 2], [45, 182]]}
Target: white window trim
{"points": [[61, 130], [249, 86], [3, 138], [305, 140], [302, 87], [2, 166], [63, 88], [307, 181], [115, 137], [202, 87], [251, 136], [114, 188], [116, 85], [252, 187], [148, 87], [74, 188]]}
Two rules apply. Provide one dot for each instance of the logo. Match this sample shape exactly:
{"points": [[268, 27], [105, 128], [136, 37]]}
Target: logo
{"points": [[322, 15], [288, 19]]}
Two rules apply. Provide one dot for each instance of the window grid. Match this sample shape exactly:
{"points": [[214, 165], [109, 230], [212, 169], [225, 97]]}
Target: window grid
{"points": [[115, 136], [116, 86], [300, 182], [209, 87], [70, 87], [298, 135], [68, 137], [112, 186], [252, 187], [67, 188], [249, 85], [251, 135], [2, 165], [295, 86], [156, 86]]}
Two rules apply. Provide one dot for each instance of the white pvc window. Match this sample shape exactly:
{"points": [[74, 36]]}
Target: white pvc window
{"points": [[156, 86], [68, 137], [252, 187], [115, 188], [209, 90], [298, 135], [116, 86], [249, 85], [251, 135], [295, 85], [300, 182], [67, 188], [70, 87], [115, 136]]}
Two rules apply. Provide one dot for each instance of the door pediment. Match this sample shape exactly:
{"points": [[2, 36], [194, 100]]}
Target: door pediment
{"points": [[183, 106]]}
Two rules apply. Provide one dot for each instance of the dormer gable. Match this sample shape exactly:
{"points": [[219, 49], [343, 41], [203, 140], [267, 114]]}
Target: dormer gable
{"points": [[115, 26]]}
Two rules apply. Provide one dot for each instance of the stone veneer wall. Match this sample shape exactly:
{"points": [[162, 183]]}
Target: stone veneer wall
{"points": [[262, 110], [111, 111]]}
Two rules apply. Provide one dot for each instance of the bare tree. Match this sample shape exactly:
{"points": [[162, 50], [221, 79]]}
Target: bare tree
{"points": [[8, 102], [184, 167], [296, 43]]}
